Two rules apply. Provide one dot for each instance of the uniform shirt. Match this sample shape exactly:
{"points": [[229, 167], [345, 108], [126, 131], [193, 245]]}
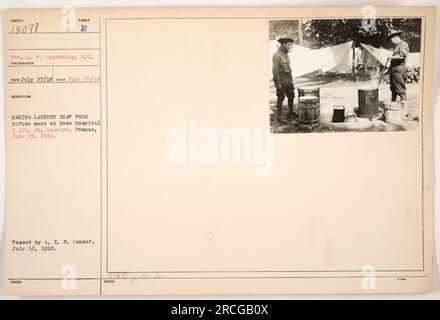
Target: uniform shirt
{"points": [[402, 49], [282, 72]]}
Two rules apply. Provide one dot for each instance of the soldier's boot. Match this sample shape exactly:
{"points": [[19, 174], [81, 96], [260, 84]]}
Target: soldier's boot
{"points": [[291, 114], [279, 113], [393, 96], [279, 108]]}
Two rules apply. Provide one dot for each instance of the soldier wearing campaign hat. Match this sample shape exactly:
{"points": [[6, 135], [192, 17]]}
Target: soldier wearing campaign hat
{"points": [[282, 77], [397, 65]]}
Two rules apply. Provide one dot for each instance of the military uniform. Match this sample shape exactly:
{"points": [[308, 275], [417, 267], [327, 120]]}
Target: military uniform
{"points": [[282, 77], [398, 71]]}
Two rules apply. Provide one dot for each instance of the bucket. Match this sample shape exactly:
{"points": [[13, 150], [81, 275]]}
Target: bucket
{"points": [[338, 113]]}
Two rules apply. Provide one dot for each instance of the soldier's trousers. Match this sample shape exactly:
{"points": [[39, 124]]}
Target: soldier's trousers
{"points": [[285, 91], [398, 83]]}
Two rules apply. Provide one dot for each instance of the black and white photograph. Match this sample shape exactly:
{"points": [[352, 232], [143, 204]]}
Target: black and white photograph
{"points": [[193, 152], [338, 75]]}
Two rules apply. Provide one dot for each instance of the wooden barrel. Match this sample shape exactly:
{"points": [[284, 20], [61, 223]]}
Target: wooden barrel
{"points": [[394, 105], [368, 102], [308, 111], [393, 112], [338, 113], [308, 91]]}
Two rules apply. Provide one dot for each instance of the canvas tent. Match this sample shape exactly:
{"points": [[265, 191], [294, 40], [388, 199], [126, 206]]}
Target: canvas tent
{"points": [[305, 60], [381, 55], [336, 59]]}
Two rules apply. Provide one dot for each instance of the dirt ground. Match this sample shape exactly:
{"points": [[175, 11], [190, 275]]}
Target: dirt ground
{"points": [[342, 90]]}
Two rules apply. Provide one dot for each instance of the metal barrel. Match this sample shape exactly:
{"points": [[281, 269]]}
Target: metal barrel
{"points": [[368, 102]]}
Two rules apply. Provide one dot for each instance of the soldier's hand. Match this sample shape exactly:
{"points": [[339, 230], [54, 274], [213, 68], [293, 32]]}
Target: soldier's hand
{"points": [[280, 91]]}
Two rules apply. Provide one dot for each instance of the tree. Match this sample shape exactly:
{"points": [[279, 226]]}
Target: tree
{"points": [[283, 28], [327, 32]]}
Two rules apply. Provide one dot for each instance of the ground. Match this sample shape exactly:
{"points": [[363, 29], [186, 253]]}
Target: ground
{"points": [[343, 90]]}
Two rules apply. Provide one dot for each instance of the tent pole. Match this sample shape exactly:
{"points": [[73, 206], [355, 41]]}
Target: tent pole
{"points": [[300, 33], [353, 61], [353, 67]]}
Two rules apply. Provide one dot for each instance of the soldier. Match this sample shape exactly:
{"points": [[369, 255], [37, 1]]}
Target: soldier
{"points": [[398, 66], [282, 77]]}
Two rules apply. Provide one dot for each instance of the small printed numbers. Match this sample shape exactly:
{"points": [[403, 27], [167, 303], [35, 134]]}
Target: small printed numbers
{"points": [[27, 28]]}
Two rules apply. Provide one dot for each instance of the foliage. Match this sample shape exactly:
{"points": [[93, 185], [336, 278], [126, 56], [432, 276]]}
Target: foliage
{"points": [[283, 28], [327, 32]]}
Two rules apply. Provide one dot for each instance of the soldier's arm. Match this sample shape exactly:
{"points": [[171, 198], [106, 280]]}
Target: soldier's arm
{"points": [[276, 71], [403, 52]]}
